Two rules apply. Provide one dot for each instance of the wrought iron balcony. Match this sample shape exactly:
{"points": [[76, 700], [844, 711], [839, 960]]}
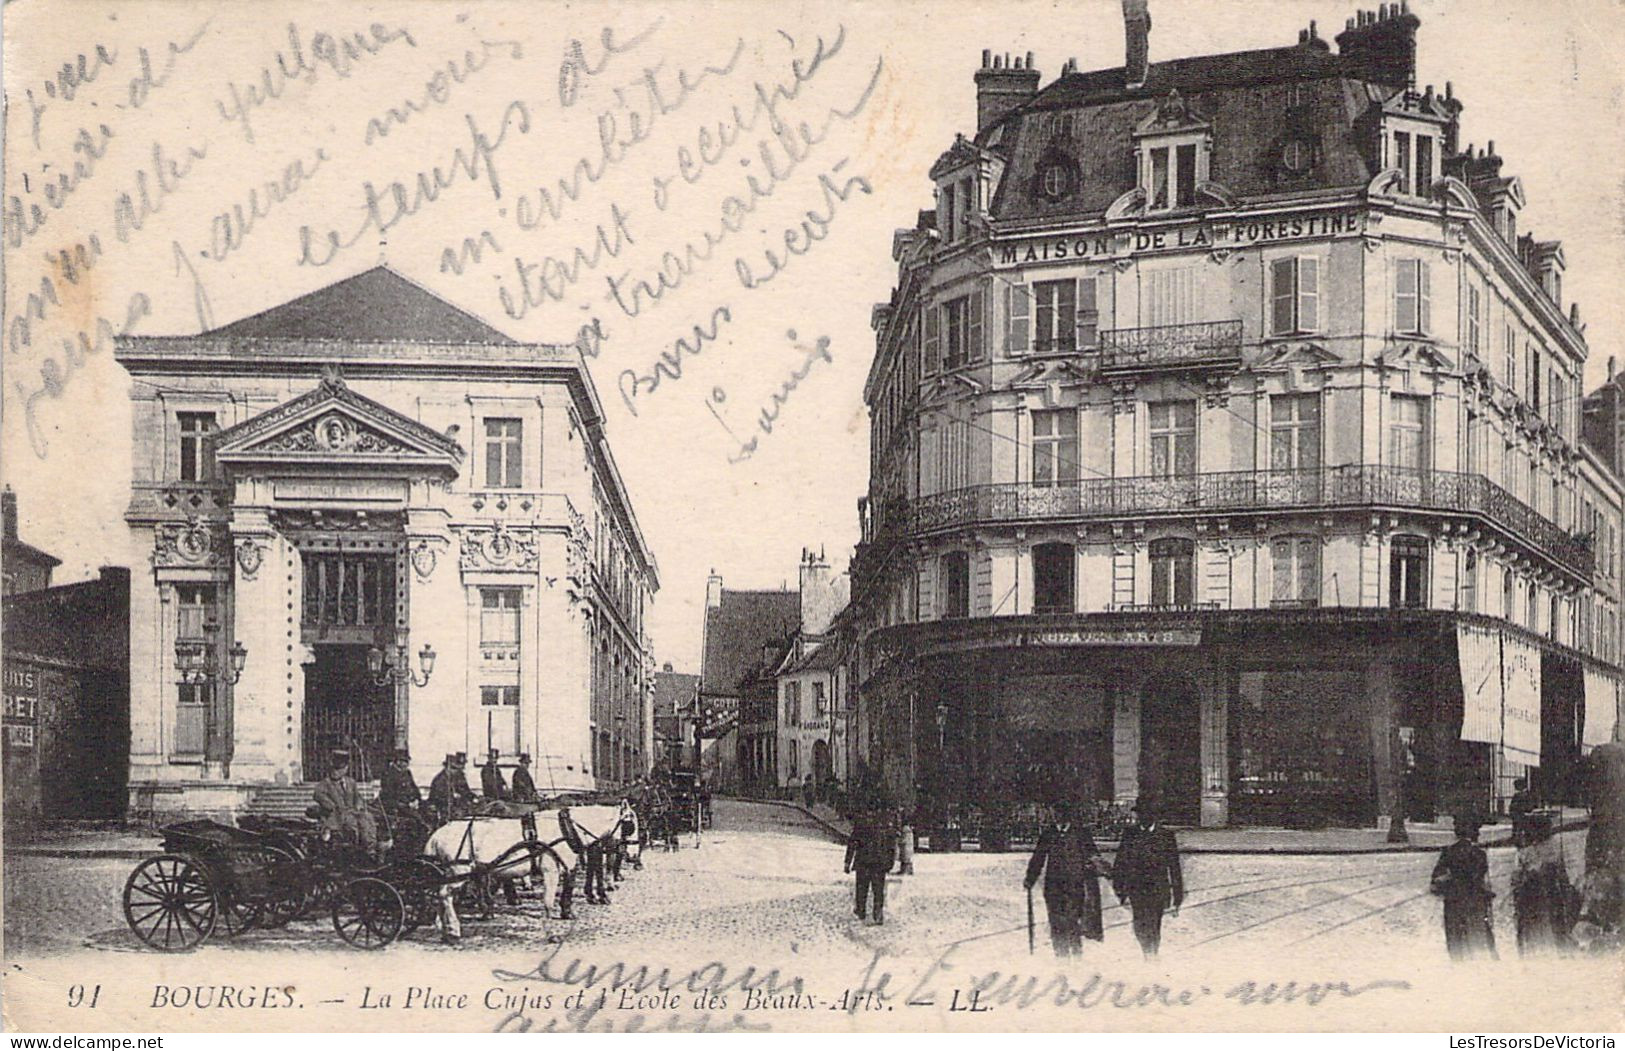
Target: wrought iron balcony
{"points": [[1204, 344], [1358, 486]]}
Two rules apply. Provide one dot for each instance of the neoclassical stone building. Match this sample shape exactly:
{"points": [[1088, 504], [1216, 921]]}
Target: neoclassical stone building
{"points": [[374, 521], [1224, 424]]}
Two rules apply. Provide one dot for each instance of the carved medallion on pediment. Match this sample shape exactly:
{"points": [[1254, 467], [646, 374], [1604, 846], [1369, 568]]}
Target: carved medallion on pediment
{"points": [[334, 433], [498, 547], [189, 544]]}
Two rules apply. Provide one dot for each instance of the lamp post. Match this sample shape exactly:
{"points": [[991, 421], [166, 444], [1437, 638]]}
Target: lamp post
{"points": [[396, 668], [195, 659]]}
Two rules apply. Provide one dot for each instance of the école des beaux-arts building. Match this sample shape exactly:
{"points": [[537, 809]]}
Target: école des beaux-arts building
{"points": [[376, 522], [1226, 450]]}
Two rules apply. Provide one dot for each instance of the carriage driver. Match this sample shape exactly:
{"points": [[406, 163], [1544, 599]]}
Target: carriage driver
{"points": [[398, 791], [342, 808], [449, 794]]}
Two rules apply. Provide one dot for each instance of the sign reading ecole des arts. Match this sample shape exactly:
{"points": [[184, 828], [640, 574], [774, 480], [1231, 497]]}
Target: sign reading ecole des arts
{"points": [[1120, 244]]}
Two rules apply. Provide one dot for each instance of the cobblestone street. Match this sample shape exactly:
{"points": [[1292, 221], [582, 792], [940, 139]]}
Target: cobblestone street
{"points": [[764, 889]]}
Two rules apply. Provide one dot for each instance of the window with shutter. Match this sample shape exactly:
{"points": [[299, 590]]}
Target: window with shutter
{"points": [[1088, 314], [1412, 309], [933, 339], [1056, 316], [1017, 313], [976, 349]]}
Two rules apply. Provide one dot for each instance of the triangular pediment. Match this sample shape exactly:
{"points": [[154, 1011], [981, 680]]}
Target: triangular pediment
{"points": [[1045, 373], [1295, 355], [331, 423]]}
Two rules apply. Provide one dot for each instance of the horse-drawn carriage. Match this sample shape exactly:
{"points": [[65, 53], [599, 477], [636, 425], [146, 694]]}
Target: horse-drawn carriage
{"points": [[210, 878]]}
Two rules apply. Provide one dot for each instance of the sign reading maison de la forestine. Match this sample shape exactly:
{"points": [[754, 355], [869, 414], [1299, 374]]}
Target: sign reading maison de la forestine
{"points": [[1196, 236]]}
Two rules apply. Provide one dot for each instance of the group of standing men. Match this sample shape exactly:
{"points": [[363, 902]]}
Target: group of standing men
{"points": [[1146, 876], [450, 794]]}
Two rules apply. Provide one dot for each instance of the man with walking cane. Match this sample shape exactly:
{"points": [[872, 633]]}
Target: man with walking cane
{"points": [[1067, 858]]}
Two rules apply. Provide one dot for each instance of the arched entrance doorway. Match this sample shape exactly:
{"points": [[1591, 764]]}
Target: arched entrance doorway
{"points": [[1170, 768]]}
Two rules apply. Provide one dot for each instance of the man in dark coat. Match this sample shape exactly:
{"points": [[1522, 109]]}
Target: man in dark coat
{"points": [[524, 789], [491, 781], [341, 806], [1071, 865], [398, 791], [1461, 878], [871, 849], [1146, 875], [449, 794]]}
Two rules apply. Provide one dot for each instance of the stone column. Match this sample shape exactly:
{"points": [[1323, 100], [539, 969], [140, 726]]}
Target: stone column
{"points": [[429, 719], [1125, 743], [1214, 688], [260, 711]]}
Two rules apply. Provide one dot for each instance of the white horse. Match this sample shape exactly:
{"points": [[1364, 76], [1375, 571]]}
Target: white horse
{"points": [[560, 845]]}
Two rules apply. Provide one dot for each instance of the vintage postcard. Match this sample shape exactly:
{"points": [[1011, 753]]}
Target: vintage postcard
{"points": [[843, 517]]}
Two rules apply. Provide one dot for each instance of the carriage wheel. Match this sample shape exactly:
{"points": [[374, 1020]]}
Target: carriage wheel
{"points": [[422, 879], [237, 916], [169, 903], [369, 914]]}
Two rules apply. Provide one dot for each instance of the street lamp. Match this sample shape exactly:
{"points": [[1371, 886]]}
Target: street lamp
{"points": [[195, 659], [398, 669]]}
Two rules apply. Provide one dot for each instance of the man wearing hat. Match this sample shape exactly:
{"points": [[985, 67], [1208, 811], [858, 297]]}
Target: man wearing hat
{"points": [[1067, 858], [398, 791], [1461, 878], [1147, 876], [342, 809], [491, 782], [449, 793], [524, 789]]}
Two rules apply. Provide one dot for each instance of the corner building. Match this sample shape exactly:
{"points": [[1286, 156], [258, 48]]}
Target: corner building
{"points": [[337, 487], [1221, 416]]}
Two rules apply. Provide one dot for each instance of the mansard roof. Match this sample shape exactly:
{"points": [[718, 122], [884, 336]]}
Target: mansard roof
{"points": [[1244, 98], [375, 306]]}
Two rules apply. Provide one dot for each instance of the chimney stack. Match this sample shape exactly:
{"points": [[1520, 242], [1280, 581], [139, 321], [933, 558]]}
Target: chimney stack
{"points": [[713, 590], [1382, 43], [8, 513], [1002, 84], [1137, 40]]}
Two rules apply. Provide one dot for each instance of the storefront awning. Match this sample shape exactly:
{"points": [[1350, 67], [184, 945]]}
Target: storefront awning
{"points": [[1602, 708], [1500, 684]]}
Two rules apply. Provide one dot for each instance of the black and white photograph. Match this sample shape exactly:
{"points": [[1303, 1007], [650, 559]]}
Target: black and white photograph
{"points": [[880, 516]]}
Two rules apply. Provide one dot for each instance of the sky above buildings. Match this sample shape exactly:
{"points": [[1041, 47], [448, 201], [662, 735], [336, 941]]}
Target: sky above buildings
{"points": [[255, 154]]}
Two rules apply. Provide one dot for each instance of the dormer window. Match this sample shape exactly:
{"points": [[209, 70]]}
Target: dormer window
{"points": [[1413, 153], [1172, 155], [1171, 172], [956, 202]]}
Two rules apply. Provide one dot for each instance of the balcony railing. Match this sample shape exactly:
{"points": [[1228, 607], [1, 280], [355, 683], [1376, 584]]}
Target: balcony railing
{"points": [[1203, 343], [1355, 486]]}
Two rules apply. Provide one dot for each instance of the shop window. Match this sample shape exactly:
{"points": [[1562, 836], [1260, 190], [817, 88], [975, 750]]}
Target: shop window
{"points": [[196, 450], [1407, 572], [955, 567], [1173, 572], [1054, 577], [1294, 295], [1055, 447], [1296, 564], [1295, 757]]}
